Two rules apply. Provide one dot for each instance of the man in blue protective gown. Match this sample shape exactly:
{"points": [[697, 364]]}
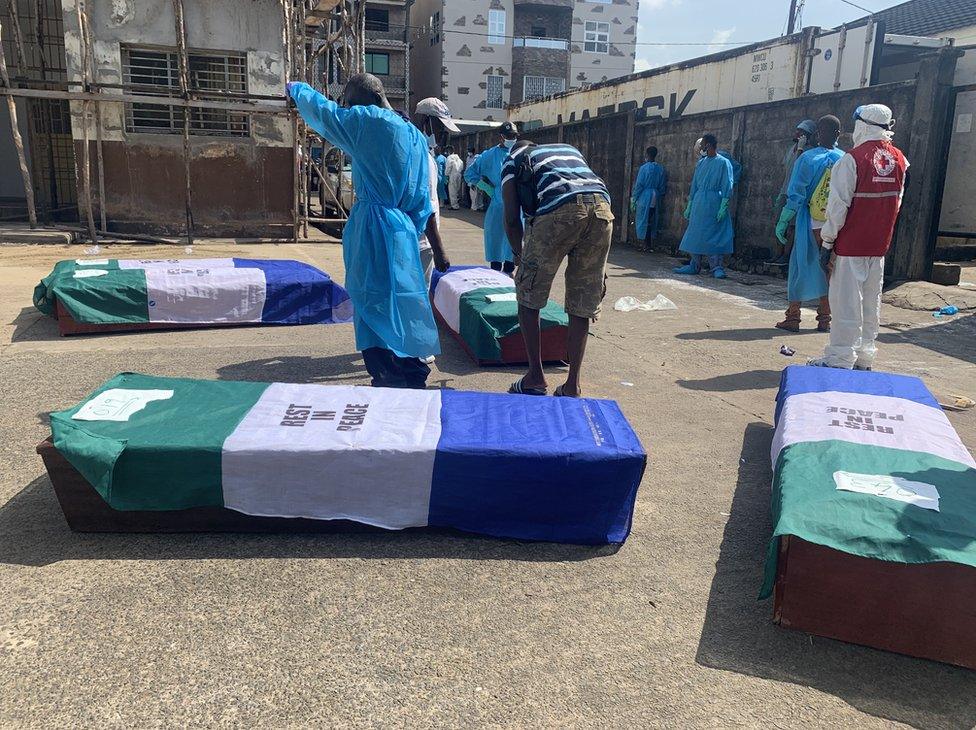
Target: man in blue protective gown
{"points": [[807, 280], [441, 161], [393, 319], [709, 232], [487, 170], [648, 196]]}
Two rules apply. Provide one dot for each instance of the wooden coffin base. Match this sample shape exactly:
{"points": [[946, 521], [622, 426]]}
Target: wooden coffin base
{"points": [[925, 610], [86, 511], [513, 346], [67, 325]]}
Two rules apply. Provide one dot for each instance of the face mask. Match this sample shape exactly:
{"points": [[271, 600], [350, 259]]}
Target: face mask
{"points": [[509, 143], [431, 141], [702, 153]]}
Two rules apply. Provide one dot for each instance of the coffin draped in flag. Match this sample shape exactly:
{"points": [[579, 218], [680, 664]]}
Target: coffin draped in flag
{"points": [[554, 469], [867, 463], [114, 293], [478, 307]]}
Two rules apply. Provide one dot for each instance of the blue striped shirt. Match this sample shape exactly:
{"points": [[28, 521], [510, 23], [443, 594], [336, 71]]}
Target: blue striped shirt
{"points": [[561, 172]]}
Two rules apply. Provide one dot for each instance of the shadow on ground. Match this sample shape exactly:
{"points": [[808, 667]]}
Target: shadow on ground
{"points": [[739, 634], [297, 369], [744, 335], [30, 325], [33, 532], [751, 380], [956, 338]]}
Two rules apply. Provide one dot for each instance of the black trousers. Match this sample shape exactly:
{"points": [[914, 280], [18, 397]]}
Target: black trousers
{"points": [[506, 267], [389, 370]]}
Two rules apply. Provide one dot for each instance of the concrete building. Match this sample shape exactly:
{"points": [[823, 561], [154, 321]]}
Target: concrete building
{"points": [[480, 56], [387, 47]]}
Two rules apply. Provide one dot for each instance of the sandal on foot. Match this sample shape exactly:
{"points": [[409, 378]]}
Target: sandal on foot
{"points": [[560, 393], [519, 389]]}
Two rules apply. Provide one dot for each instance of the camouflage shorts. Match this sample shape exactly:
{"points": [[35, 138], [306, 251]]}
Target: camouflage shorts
{"points": [[579, 230]]}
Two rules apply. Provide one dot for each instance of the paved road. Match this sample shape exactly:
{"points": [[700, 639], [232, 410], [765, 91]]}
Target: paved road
{"points": [[433, 629]]}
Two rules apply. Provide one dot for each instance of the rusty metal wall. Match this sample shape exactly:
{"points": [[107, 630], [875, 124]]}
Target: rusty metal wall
{"points": [[239, 189]]}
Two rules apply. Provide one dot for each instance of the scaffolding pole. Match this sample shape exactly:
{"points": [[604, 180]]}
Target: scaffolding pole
{"points": [[85, 151], [184, 72], [18, 140]]}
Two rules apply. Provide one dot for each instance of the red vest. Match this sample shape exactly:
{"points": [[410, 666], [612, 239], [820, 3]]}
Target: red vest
{"points": [[877, 197]]}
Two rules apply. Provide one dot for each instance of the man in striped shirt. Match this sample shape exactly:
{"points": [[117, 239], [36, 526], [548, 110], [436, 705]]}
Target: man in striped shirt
{"points": [[567, 212]]}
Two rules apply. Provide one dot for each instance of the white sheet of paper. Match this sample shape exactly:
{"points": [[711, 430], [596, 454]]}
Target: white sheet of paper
{"points": [[92, 262], [506, 297], [920, 494], [89, 273], [118, 404]]}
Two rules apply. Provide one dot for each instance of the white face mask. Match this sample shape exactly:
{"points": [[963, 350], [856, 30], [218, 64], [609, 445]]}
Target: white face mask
{"points": [[509, 143], [431, 141], [702, 153]]}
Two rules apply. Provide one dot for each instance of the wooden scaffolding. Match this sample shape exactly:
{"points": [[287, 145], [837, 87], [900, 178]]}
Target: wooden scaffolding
{"points": [[323, 43]]}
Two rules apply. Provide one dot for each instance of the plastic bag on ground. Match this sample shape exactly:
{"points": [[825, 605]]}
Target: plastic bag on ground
{"points": [[657, 304]]}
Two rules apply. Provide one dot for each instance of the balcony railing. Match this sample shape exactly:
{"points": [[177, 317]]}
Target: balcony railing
{"points": [[393, 84], [391, 33], [556, 44]]}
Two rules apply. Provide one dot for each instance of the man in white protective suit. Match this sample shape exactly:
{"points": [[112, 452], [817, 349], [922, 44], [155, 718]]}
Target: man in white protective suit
{"points": [[866, 188]]}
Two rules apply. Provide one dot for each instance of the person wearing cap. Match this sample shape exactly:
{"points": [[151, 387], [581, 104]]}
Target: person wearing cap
{"points": [[807, 280], [866, 188], [392, 315], [433, 117], [486, 172], [804, 138]]}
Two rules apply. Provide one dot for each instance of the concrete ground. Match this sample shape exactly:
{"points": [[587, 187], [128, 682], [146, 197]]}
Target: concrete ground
{"points": [[432, 629]]}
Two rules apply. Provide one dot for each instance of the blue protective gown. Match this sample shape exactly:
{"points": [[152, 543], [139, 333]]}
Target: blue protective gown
{"points": [[649, 190], [380, 243], [712, 182], [489, 165], [441, 176], [806, 278], [736, 166]]}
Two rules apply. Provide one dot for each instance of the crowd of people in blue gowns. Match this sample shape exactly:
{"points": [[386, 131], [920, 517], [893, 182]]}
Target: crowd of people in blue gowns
{"points": [[401, 183]]}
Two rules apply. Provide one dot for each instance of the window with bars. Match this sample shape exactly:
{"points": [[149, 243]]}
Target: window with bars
{"points": [[496, 27], [535, 87], [495, 98], [156, 73], [596, 37]]}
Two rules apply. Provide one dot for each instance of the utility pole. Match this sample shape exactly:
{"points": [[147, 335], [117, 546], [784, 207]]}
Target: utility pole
{"points": [[791, 25]]}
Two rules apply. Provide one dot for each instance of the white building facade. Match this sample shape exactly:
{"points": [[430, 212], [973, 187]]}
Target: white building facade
{"points": [[481, 56]]}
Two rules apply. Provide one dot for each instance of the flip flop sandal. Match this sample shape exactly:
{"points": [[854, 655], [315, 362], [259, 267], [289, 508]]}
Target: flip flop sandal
{"points": [[519, 389], [559, 393]]}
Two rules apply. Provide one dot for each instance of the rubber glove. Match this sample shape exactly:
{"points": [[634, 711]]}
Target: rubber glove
{"points": [[825, 257], [687, 212], [633, 205], [723, 209], [785, 216], [779, 201]]}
